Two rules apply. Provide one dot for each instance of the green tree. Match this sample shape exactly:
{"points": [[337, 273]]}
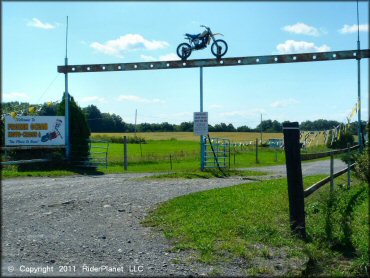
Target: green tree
{"points": [[186, 126], [94, 118], [50, 109], [79, 131], [244, 128]]}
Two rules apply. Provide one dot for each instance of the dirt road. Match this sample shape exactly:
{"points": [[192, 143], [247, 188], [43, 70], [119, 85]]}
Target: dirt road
{"points": [[90, 225], [78, 224]]}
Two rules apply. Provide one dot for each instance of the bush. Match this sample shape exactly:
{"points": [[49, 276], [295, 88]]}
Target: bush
{"points": [[55, 156], [79, 131], [342, 142], [119, 139], [363, 166]]}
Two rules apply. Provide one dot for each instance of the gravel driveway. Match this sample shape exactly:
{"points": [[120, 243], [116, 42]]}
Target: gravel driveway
{"points": [[81, 222], [90, 225], [308, 168]]}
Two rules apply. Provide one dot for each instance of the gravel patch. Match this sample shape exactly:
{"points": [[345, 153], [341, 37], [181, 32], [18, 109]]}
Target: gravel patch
{"points": [[308, 168], [90, 226]]}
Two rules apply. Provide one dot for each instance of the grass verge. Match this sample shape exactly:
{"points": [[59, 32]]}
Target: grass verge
{"points": [[251, 222]]}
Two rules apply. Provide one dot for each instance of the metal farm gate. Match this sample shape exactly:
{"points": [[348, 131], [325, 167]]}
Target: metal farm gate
{"points": [[216, 153]]}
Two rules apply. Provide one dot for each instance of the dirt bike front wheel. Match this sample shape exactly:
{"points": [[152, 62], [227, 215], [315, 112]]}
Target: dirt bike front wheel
{"points": [[183, 50], [219, 48]]}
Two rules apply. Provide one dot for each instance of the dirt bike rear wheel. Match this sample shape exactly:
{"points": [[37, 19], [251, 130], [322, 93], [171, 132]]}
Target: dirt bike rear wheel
{"points": [[220, 50], [183, 50]]}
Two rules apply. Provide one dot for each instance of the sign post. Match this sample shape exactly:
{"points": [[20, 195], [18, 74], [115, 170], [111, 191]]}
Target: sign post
{"points": [[201, 128], [201, 110]]}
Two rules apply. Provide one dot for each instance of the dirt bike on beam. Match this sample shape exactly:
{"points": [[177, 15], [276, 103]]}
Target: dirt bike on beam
{"points": [[201, 41]]}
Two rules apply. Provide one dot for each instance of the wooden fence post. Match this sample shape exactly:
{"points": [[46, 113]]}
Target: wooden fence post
{"points": [[294, 177], [276, 155], [349, 163], [125, 162], [257, 161], [331, 172]]}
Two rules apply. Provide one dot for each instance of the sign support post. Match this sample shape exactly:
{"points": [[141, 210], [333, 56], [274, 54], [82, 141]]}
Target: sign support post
{"points": [[201, 110], [66, 102]]}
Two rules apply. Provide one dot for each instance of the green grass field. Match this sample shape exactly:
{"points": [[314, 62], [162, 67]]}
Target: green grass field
{"points": [[189, 136], [162, 156], [184, 155], [173, 151], [251, 222]]}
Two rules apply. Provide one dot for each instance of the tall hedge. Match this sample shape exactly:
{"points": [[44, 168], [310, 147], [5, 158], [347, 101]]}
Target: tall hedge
{"points": [[79, 131]]}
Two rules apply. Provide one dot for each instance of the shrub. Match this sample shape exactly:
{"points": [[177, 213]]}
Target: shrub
{"points": [[363, 166], [79, 131], [342, 142], [119, 139]]}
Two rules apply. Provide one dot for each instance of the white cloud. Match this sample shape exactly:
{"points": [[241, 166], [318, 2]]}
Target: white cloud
{"points": [[92, 99], [243, 113], [284, 103], [292, 46], [215, 106], [184, 116], [134, 98], [35, 22], [169, 57], [166, 57], [16, 96], [302, 29], [347, 29], [147, 58], [127, 42]]}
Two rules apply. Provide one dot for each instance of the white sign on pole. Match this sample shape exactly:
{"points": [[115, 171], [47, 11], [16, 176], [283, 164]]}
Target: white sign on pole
{"points": [[201, 123], [34, 131]]}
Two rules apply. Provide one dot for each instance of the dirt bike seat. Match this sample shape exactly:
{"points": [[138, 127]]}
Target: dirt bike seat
{"points": [[192, 36]]}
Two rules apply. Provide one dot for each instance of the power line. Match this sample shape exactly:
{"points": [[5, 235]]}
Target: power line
{"points": [[51, 83]]}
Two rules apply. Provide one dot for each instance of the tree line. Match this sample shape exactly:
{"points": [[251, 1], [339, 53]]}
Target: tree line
{"points": [[106, 122]]}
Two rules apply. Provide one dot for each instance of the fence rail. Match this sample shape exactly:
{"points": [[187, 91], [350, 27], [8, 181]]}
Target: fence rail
{"points": [[319, 184], [16, 148], [310, 156], [17, 162], [296, 192]]}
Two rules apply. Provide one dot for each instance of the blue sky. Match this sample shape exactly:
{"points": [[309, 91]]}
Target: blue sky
{"points": [[33, 36]]}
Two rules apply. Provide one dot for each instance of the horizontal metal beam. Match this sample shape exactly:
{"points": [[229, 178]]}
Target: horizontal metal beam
{"points": [[235, 61]]}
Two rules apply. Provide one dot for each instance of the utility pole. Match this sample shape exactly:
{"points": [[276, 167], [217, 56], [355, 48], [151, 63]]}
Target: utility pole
{"points": [[359, 84], [66, 95], [261, 128], [135, 120]]}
